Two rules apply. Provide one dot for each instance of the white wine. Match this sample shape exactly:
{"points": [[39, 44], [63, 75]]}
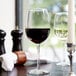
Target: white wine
{"points": [[61, 33]]}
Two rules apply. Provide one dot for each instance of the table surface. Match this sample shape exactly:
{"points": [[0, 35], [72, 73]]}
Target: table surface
{"points": [[22, 70]]}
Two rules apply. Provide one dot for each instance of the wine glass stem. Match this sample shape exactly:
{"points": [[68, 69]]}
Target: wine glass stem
{"points": [[70, 58], [38, 58]]}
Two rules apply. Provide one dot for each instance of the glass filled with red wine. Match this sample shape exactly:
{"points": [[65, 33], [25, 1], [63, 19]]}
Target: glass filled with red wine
{"points": [[37, 31]]}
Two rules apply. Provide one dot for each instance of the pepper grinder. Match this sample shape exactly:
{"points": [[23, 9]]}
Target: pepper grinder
{"points": [[2, 35], [17, 37], [17, 46], [2, 48]]}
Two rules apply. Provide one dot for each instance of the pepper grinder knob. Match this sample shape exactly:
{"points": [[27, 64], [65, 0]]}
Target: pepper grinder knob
{"points": [[17, 40]]}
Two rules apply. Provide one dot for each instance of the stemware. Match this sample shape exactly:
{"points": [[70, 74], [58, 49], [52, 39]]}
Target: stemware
{"points": [[60, 30], [71, 50], [37, 31]]}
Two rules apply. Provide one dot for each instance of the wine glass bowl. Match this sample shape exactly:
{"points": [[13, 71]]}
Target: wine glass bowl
{"points": [[60, 25], [37, 31]]}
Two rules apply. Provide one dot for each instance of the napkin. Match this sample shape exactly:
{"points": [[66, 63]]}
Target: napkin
{"points": [[8, 60]]}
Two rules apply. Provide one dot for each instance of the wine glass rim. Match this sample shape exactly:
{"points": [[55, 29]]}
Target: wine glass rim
{"points": [[61, 13], [37, 9]]}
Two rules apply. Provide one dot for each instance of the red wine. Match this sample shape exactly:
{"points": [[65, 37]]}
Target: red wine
{"points": [[37, 35]]}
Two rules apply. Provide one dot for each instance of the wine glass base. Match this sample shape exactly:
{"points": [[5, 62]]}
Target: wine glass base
{"points": [[72, 74], [63, 63], [38, 72]]}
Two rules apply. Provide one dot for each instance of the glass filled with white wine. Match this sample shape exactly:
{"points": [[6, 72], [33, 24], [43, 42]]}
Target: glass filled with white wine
{"points": [[61, 30]]}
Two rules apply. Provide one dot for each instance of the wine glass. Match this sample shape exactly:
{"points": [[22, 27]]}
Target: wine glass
{"points": [[37, 30], [71, 50], [61, 32]]}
